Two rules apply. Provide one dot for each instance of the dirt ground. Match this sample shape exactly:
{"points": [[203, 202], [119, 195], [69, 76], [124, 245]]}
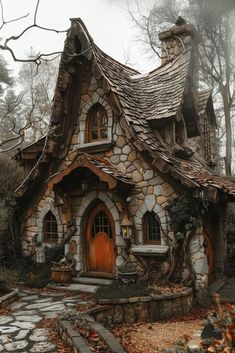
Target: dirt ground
{"points": [[153, 337]]}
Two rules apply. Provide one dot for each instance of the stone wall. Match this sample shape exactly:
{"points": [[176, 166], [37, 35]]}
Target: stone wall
{"points": [[150, 308], [33, 239], [199, 259], [151, 192]]}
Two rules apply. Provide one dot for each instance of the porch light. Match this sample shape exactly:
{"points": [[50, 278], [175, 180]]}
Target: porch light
{"points": [[126, 227]]}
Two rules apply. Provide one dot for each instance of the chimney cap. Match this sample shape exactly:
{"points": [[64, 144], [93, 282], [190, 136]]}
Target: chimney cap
{"points": [[180, 21]]}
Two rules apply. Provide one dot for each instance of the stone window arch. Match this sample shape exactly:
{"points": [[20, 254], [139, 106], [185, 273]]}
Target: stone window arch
{"points": [[96, 124], [87, 108], [150, 205], [151, 228], [48, 206], [50, 228]]}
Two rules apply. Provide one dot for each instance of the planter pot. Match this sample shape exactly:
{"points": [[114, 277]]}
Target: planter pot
{"points": [[61, 275], [127, 277]]}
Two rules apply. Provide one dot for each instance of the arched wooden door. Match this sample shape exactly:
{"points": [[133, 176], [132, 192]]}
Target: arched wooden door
{"points": [[209, 252], [100, 240]]}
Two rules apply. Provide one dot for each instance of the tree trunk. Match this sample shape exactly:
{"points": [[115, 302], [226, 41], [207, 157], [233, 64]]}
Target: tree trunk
{"points": [[228, 127]]}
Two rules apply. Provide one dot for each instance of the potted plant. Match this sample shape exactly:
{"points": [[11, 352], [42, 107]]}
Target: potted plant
{"points": [[61, 271], [126, 273]]}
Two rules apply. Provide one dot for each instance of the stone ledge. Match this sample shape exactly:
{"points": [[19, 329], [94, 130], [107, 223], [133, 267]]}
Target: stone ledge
{"points": [[96, 146], [71, 337], [76, 341], [150, 250], [153, 308], [107, 337], [8, 298], [148, 308]]}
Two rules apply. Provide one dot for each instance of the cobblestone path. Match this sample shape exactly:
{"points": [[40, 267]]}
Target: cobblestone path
{"points": [[20, 332]]}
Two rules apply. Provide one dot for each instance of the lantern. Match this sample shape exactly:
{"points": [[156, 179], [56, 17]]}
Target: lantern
{"points": [[126, 227]]}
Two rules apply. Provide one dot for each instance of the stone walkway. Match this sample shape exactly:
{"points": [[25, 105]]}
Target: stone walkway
{"points": [[20, 332], [227, 292]]}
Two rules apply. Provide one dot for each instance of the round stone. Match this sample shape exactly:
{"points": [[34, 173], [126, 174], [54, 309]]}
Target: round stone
{"points": [[123, 158], [27, 318], [14, 346], [121, 141], [24, 325], [126, 149], [115, 159], [39, 335], [5, 319], [119, 261], [136, 176], [41, 347], [8, 329]]}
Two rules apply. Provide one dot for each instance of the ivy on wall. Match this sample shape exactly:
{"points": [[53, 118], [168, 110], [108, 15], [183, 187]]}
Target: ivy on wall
{"points": [[184, 212]]}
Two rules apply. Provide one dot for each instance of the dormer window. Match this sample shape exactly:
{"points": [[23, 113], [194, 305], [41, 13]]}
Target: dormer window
{"points": [[97, 124]]}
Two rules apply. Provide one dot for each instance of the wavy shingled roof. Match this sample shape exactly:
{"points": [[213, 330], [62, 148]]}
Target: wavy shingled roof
{"points": [[156, 95]]}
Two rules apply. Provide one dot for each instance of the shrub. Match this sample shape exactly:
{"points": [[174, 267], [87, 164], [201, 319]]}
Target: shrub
{"points": [[3, 288], [118, 291], [34, 275]]}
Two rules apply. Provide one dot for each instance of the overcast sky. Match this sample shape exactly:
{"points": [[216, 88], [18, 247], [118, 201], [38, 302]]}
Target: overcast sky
{"points": [[107, 21]]}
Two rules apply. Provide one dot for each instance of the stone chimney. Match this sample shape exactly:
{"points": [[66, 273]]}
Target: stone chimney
{"points": [[177, 39]]}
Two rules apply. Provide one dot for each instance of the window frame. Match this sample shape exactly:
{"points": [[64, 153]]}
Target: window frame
{"points": [[50, 228], [97, 108], [146, 225], [101, 208]]}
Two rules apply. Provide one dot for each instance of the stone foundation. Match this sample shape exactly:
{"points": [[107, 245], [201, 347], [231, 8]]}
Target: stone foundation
{"points": [[149, 308]]}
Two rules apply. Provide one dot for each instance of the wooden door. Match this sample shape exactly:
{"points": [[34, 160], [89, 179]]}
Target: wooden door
{"points": [[209, 252], [100, 240]]}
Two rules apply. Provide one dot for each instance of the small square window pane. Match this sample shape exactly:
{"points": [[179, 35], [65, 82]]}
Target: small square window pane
{"points": [[103, 134], [94, 135]]}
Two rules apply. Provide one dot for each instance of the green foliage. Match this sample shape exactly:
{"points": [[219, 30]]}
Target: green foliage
{"points": [[3, 289], [34, 275], [10, 177], [7, 251], [55, 254], [184, 212], [118, 291]]}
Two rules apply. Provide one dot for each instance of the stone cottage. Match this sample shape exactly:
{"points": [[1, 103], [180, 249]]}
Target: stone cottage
{"points": [[120, 146]]}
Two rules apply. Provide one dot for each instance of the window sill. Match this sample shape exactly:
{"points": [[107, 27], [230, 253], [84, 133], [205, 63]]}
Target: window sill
{"points": [[150, 250], [97, 146]]}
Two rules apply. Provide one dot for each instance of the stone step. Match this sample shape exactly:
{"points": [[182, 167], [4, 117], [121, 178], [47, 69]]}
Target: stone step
{"points": [[92, 281], [217, 285], [75, 287]]}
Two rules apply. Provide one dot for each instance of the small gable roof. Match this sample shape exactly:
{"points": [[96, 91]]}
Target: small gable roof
{"points": [[100, 167]]}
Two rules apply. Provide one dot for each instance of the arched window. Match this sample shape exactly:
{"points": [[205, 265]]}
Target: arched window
{"points": [[50, 229], [97, 124], [151, 228]]}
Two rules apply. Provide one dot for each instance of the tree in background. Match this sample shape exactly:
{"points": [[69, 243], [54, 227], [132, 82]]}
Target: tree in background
{"points": [[214, 20], [10, 177], [38, 84], [24, 117]]}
